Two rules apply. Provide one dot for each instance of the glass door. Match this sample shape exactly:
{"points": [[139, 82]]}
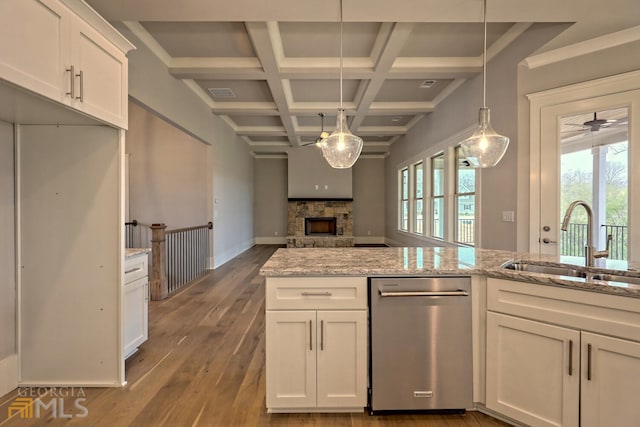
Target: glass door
{"points": [[594, 167]]}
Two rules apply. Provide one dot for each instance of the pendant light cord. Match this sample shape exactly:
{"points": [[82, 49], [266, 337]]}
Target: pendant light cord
{"points": [[341, 107], [484, 57]]}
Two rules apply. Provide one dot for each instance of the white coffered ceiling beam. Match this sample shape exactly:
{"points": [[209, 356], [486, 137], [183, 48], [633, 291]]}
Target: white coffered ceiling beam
{"points": [[389, 51], [246, 108], [267, 44], [399, 108], [260, 130]]}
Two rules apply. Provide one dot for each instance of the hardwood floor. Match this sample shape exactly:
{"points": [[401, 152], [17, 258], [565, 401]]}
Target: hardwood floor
{"points": [[203, 365]]}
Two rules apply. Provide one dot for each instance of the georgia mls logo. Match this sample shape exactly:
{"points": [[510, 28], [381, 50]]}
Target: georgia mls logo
{"points": [[43, 402]]}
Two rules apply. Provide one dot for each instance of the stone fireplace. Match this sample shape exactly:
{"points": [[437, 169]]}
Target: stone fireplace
{"points": [[319, 223]]}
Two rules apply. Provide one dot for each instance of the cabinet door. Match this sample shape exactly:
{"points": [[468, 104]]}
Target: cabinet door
{"points": [[342, 359], [135, 314], [101, 75], [533, 371], [291, 359], [610, 381], [34, 46]]}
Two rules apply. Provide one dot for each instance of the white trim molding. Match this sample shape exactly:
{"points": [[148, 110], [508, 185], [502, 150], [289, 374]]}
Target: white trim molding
{"points": [[271, 240], [586, 47]]}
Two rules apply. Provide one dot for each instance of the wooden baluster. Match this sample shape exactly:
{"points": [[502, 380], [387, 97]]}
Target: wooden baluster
{"points": [[159, 286]]}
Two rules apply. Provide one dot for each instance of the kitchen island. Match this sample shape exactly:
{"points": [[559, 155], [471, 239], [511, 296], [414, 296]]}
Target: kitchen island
{"points": [[542, 355], [412, 261]]}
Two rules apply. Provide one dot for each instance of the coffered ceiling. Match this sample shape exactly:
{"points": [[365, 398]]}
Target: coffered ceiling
{"points": [[269, 68]]}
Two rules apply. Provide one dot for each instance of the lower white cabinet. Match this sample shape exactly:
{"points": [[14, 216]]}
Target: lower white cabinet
{"points": [[610, 388], [316, 360], [136, 303], [533, 371], [560, 374]]}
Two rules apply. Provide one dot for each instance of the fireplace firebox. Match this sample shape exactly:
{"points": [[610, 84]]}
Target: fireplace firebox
{"points": [[320, 226]]}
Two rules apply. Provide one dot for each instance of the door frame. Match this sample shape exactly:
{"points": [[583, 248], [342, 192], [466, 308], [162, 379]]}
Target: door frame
{"points": [[542, 121]]}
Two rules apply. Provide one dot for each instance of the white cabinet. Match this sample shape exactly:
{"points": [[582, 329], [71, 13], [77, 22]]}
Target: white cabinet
{"points": [[316, 356], [136, 303], [568, 373], [57, 52], [532, 371], [610, 382]]}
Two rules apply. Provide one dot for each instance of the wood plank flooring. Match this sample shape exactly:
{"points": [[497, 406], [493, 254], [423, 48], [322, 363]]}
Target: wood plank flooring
{"points": [[203, 365]]}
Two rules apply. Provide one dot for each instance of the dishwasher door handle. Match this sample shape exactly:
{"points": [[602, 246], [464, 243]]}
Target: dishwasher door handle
{"points": [[458, 293]]}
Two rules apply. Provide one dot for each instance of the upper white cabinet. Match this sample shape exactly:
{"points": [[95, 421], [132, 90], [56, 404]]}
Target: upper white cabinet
{"points": [[64, 51]]}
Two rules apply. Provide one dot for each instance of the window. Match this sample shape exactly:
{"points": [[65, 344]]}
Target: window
{"points": [[404, 199], [465, 200], [418, 198], [437, 196]]}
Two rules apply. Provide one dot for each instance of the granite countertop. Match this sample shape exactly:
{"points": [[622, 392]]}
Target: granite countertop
{"points": [[409, 261], [131, 252]]}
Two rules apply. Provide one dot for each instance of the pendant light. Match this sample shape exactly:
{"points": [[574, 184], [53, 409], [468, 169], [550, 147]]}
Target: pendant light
{"points": [[485, 147], [341, 148]]}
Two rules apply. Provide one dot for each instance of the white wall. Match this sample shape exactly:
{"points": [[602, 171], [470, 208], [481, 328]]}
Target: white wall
{"points": [[369, 200], [609, 62], [498, 191], [7, 246], [168, 172], [229, 160], [270, 201], [233, 196], [310, 176]]}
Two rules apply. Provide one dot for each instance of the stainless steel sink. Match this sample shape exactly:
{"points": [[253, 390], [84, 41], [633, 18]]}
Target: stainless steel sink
{"points": [[614, 278], [545, 269], [559, 270]]}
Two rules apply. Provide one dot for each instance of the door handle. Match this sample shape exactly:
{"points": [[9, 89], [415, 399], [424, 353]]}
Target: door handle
{"points": [[72, 89], [458, 293], [322, 335], [570, 357], [81, 97], [310, 335], [589, 362], [548, 241]]}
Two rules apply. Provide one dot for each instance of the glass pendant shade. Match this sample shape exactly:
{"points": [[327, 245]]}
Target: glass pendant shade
{"points": [[341, 148], [485, 147]]}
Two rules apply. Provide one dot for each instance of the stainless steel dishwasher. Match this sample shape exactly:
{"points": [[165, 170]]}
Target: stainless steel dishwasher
{"points": [[420, 337]]}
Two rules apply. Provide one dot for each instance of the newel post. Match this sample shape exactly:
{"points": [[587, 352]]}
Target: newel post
{"points": [[159, 287]]}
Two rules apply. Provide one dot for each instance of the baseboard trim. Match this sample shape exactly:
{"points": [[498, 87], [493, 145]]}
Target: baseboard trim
{"points": [[8, 374], [275, 240], [369, 240], [220, 258]]}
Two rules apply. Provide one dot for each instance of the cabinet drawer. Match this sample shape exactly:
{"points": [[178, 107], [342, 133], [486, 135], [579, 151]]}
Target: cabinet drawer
{"points": [[294, 293], [590, 311], [135, 268]]}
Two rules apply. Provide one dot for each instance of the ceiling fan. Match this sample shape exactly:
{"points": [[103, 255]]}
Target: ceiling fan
{"points": [[323, 133], [593, 125]]}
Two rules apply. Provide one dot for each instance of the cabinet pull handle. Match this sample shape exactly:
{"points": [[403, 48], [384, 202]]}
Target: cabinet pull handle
{"points": [[570, 357], [322, 335], [146, 291], [316, 294], [72, 89], [589, 362], [310, 335], [81, 97], [132, 270]]}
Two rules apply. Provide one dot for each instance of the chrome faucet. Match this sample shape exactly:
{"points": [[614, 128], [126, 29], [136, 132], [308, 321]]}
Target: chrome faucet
{"points": [[590, 251]]}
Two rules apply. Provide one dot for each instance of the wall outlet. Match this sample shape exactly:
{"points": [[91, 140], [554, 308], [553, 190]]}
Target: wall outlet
{"points": [[508, 216], [275, 233], [368, 232]]}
